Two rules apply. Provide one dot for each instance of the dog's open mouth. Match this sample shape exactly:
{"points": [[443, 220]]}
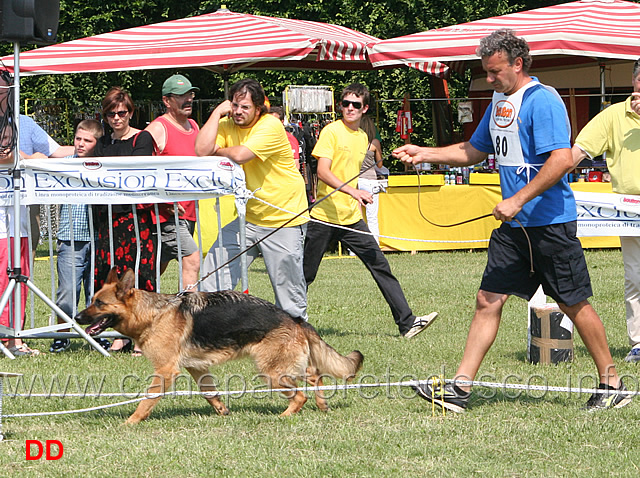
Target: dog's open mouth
{"points": [[100, 326]]}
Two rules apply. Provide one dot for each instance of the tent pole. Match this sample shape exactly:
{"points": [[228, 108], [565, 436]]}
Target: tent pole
{"points": [[602, 88], [16, 276], [225, 78]]}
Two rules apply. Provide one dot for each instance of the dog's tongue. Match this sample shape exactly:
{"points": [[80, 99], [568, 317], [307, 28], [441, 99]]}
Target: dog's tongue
{"points": [[96, 328]]}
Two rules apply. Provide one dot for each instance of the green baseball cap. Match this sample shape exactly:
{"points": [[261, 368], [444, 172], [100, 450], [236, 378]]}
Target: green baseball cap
{"points": [[177, 85]]}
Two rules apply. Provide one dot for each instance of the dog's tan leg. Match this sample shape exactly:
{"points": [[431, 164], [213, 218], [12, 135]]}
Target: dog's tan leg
{"points": [[205, 381], [162, 380], [315, 380], [296, 399]]}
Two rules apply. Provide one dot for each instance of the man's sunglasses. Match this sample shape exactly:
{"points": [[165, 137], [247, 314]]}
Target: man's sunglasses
{"points": [[121, 114], [356, 104]]}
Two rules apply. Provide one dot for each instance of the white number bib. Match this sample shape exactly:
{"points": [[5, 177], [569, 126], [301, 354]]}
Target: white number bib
{"points": [[504, 126]]}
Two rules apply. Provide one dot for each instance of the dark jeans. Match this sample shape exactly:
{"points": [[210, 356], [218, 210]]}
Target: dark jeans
{"points": [[320, 235]]}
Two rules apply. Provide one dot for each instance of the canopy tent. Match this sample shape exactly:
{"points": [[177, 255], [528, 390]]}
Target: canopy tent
{"points": [[223, 41], [581, 47], [597, 29]]}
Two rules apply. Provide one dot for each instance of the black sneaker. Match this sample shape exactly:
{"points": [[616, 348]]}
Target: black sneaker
{"points": [[451, 397], [104, 343], [609, 399], [59, 345]]}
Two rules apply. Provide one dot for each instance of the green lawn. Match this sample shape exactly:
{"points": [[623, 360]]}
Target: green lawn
{"points": [[369, 432]]}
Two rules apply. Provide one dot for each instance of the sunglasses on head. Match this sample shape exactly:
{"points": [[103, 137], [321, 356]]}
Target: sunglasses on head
{"points": [[356, 104], [121, 114]]}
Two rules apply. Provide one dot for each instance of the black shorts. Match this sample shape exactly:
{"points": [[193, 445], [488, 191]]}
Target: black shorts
{"points": [[558, 263]]}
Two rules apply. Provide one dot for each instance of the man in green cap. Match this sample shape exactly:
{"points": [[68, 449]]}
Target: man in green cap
{"points": [[174, 134]]}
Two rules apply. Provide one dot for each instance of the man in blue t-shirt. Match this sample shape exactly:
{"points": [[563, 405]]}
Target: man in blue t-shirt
{"points": [[526, 127]]}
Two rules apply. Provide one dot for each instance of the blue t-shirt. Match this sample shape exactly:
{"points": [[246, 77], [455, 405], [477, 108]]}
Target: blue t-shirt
{"points": [[33, 139], [543, 128]]}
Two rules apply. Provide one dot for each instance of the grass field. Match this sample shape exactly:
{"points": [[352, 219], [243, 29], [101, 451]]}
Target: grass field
{"points": [[368, 432]]}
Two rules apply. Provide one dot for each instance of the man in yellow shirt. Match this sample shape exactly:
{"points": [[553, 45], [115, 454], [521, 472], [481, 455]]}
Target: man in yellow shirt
{"points": [[243, 131], [616, 132], [340, 150]]}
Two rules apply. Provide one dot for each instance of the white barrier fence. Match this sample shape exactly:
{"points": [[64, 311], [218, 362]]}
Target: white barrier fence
{"points": [[127, 180], [115, 181], [604, 214]]}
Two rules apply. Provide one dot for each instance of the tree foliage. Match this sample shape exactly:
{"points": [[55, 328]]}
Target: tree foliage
{"points": [[382, 19]]}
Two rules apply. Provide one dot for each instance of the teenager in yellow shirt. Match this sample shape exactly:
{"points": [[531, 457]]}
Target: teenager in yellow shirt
{"points": [[340, 150]]}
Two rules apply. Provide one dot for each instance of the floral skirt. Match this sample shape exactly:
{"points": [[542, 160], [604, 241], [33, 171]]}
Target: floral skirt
{"points": [[125, 244]]}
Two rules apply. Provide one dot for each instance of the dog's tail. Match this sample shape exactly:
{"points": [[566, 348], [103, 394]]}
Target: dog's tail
{"points": [[329, 362]]}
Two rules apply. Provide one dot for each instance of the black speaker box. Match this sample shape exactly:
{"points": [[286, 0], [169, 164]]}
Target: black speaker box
{"points": [[29, 21]]}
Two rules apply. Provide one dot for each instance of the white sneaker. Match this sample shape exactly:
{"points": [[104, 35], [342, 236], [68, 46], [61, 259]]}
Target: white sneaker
{"points": [[420, 323], [633, 355]]}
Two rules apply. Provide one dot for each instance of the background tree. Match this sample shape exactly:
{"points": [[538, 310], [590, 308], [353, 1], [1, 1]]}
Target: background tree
{"points": [[382, 19]]}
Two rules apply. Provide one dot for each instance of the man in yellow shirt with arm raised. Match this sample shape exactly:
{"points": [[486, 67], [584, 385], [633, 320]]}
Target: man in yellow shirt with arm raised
{"points": [[243, 131]]}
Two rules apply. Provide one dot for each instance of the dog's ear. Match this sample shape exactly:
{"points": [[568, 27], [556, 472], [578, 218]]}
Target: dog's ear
{"points": [[113, 276], [127, 282]]}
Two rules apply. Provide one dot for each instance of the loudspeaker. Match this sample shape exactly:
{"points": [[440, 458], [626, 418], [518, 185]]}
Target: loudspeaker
{"points": [[29, 21]]}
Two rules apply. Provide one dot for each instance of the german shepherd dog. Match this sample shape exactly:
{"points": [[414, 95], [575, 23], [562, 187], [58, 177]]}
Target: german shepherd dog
{"points": [[201, 329]]}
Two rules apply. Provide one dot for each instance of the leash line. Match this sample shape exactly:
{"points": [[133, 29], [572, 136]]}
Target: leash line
{"points": [[410, 383], [346, 228], [531, 270], [442, 225], [311, 206]]}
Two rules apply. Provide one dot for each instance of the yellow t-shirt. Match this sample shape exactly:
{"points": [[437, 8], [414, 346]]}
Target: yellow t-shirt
{"points": [[273, 170], [616, 131], [346, 149]]}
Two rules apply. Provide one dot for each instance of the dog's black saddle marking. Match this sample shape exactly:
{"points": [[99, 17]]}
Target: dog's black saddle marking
{"points": [[230, 319]]}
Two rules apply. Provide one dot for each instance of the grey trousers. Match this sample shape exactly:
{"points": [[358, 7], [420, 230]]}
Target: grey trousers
{"points": [[282, 252], [631, 260]]}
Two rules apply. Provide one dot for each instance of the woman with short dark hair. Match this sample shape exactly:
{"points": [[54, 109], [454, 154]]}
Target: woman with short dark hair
{"points": [[130, 228]]}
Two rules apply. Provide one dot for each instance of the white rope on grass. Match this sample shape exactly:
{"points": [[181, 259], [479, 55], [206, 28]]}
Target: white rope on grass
{"points": [[528, 387], [410, 383], [68, 412]]}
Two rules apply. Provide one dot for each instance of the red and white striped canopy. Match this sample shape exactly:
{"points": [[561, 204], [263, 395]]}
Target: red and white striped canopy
{"points": [[223, 41], [588, 28]]}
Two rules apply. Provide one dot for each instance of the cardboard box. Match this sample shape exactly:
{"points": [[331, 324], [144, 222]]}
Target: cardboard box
{"points": [[550, 335]]}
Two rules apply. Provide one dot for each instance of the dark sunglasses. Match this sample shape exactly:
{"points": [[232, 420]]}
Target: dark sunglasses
{"points": [[121, 114], [356, 104]]}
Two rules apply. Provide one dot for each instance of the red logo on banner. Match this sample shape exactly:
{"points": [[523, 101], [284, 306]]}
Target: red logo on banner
{"points": [[92, 164], [226, 165]]}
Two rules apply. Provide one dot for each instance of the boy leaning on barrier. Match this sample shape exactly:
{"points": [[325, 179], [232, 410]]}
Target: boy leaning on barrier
{"points": [[74, 221]]}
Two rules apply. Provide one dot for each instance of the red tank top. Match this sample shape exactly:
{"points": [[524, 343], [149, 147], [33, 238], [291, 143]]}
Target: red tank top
{"points": [[179, 143]]}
